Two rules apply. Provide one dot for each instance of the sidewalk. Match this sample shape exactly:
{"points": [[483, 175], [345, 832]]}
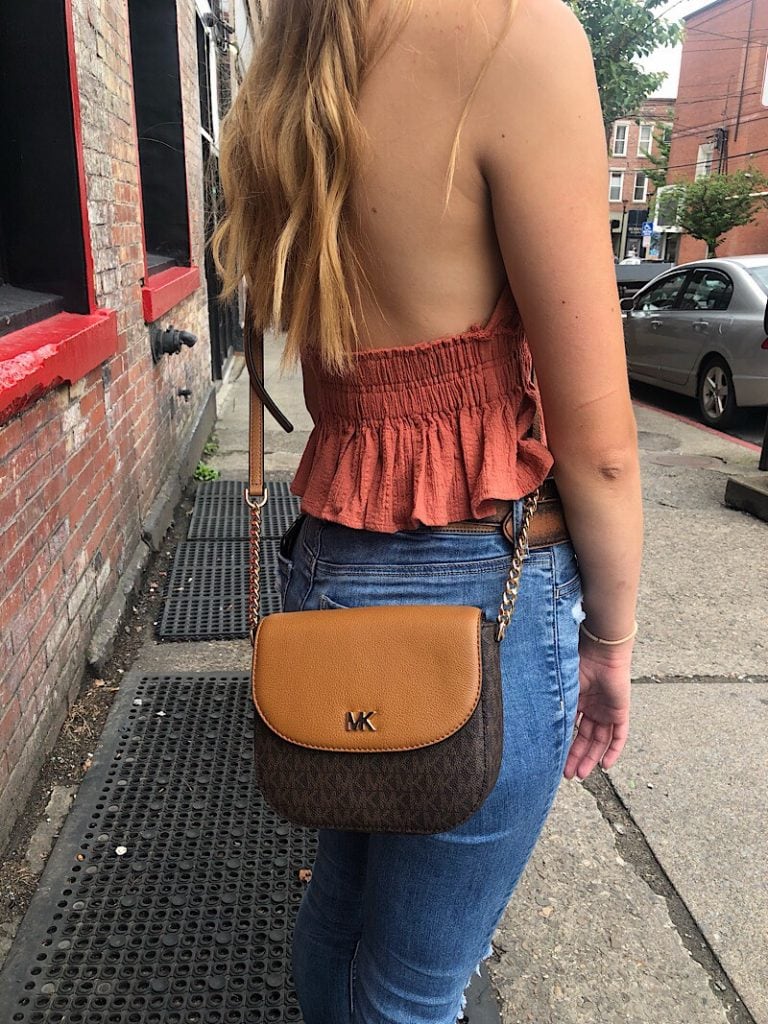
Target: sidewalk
{"points": [[645, 901]]}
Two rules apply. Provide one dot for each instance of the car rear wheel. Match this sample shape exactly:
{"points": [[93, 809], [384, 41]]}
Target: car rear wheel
{"points": [[717, 401]]}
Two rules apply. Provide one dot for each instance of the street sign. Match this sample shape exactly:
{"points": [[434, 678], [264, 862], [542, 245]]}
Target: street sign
{"points": [[647, 228]]}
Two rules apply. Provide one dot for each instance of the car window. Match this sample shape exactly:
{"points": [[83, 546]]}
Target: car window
{"points": [[707, 290], [662, 295], [759, 274]]}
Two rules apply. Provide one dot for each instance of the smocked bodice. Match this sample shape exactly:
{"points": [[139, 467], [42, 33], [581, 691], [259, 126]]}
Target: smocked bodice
{"points": [[425, 434]]}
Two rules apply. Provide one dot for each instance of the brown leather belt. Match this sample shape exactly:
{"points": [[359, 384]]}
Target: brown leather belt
{"points": [[548, 525]]}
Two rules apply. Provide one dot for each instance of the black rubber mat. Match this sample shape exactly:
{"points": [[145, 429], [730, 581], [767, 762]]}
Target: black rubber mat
{"points": [[170, 894], [281, 509], [172, 889], [220, 511], [206, 594]]}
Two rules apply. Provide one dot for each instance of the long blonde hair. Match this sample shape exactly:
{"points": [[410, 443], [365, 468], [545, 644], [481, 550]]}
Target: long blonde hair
{"points": [[289, 148]]}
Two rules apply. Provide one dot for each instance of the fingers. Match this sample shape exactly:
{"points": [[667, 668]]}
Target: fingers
{"points": [[594, 741], [619, 738]]}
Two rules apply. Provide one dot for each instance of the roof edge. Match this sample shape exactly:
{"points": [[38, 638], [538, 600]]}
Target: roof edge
{"points": [[702, 10]]}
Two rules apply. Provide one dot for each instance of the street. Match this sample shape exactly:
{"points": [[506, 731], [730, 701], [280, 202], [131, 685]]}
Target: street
{"points": [[749, 426]]}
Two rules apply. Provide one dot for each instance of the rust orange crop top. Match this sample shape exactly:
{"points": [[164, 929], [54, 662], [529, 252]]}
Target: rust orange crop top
{"points": [[425, 434]]}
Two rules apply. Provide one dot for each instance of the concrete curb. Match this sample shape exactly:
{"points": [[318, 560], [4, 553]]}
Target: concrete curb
{"points": [[748, 494], [102, 643]]}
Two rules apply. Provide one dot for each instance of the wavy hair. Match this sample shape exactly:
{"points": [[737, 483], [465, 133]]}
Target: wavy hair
{"points": [[289, 148]]}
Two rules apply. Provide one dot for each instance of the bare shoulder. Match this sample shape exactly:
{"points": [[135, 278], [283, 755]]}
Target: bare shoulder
{"points": [[544, 39]]}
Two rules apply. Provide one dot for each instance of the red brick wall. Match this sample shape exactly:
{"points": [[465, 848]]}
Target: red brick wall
{"points": [[80, 468], [715, 60], [658, 112]]}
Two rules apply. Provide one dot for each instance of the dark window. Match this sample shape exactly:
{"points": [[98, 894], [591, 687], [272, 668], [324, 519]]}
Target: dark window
{"points": [[663, 294], [157, 96], [42, 249], [707, 289], [215, 95], [204, 80], [759, 274]]}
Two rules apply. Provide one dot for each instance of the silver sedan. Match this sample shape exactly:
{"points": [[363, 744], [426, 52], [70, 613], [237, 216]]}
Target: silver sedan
{"points": [[702, 330]]}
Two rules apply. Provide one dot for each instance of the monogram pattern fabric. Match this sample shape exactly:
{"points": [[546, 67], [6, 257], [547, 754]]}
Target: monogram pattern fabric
{"points": [[423, 791]]}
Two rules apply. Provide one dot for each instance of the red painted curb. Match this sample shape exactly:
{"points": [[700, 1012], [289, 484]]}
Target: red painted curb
{"points": [[699, 426]]}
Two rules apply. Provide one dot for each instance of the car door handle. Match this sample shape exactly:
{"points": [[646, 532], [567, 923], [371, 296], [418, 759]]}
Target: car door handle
{"points": [[701, 325], [655, 324]]}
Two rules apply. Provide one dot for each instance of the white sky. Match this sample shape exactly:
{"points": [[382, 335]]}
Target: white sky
{"points": [[668, 57]]}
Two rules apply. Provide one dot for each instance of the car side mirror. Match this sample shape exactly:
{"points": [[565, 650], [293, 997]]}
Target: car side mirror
{"points": [[627, 305]]}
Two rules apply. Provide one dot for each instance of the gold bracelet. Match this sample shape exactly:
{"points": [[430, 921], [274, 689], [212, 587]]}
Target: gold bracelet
{"points": [[609, 643]]}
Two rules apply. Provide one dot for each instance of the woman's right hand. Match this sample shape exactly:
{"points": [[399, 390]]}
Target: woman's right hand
{"points": [[603, 708]]}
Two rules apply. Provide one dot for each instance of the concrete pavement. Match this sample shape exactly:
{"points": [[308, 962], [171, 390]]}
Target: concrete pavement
{"points": [[646, 899]]}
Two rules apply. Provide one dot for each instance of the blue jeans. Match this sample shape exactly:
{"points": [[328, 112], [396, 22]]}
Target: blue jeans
{"points": [[391, 927]]}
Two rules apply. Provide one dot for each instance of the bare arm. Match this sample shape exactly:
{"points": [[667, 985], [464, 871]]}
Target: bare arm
{"points": [[541, 147]]}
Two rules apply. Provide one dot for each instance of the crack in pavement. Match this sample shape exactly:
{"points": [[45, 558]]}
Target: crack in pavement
{"points": [[635, 850]]}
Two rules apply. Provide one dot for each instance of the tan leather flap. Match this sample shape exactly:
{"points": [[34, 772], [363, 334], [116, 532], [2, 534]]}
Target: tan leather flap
{"points": [[383, 678]]}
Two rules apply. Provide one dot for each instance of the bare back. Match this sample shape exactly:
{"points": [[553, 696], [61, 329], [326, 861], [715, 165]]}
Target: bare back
{"points": [[431, 274]]}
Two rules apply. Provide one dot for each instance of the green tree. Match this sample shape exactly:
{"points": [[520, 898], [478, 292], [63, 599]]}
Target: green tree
{"points": [[662, 136], [621, 32], [713, 205]]}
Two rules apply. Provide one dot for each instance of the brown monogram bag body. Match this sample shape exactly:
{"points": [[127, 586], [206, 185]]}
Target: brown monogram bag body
{"points": [[375, 719]]}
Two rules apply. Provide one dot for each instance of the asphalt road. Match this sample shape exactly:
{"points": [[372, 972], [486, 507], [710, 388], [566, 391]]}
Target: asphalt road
{"points": [[749, 426]]}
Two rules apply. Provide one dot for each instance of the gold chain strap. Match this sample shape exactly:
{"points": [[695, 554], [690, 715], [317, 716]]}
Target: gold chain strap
{"points": [[508, 599], [254, 561], [512, 587]]}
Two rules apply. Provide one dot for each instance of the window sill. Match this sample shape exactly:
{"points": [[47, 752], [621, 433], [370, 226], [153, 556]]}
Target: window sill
{"points": [[61, 349], [163, 291], [20, 308]]}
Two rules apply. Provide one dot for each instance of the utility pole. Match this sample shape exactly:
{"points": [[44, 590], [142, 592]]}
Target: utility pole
{"points": [[623, 235], [721, 148]]}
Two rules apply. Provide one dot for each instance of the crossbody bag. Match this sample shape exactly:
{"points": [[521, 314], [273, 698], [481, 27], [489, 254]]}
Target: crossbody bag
{"points": [[375, 719]]}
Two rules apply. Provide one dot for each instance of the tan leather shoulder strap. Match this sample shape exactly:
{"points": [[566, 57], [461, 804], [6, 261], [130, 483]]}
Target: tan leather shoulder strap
{"points": [[259, 399]]}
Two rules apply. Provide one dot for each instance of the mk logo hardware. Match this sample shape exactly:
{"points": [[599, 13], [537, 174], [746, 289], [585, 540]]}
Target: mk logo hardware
{"points": [[360, 721]]}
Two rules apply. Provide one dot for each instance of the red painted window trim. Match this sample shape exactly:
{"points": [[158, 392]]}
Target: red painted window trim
{"points": [[62, 348], [79, 158], [163, 291]]}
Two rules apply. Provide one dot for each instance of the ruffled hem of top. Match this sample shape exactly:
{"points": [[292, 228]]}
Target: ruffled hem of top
{"points": [[439, 468], [426, 434]]}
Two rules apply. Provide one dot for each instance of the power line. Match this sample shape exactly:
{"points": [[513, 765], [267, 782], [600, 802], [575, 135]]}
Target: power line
{"points": [[707, 46], [731, 156], [716, 123], [747, 40], [711, 17], [719, 96]]}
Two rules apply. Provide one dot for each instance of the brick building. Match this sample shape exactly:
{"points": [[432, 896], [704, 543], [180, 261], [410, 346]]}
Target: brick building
{"points": [[629, 187], [109, 114], [722, 108]]}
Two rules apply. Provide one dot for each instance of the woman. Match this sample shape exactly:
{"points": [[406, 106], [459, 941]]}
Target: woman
{"points": [[408, 184]]}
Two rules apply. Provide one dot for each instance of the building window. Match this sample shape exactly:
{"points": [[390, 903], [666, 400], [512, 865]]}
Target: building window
{"points": [[157, 97], [645, 140], [704, 160], [43, 260], [640, 193], [619, 145], [616, 187], [667, 205], [215, 99]]}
